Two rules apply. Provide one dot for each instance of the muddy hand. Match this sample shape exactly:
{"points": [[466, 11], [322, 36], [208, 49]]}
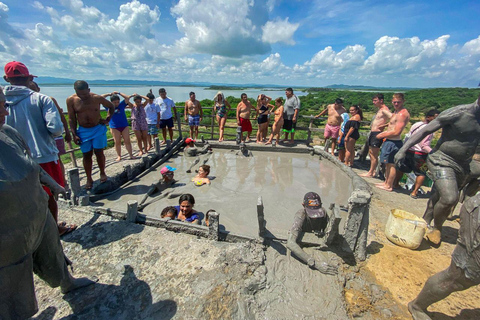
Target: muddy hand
{"points": [[325, 268]]}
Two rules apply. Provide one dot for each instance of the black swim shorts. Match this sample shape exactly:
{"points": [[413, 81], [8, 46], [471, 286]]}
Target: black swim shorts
{"points": [[373, 141]]}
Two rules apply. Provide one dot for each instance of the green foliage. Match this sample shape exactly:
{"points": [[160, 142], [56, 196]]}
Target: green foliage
{"points": [[416, 101]]}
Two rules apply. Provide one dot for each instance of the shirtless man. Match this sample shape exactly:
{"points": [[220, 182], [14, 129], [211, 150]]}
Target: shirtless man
{"points": [[379, 122], [91, 134], [393, 141], [194, 114], [243, 116], [450, 161], [332, 129]]}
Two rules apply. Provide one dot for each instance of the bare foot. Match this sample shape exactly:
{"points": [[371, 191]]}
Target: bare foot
{"points": [[148, 148], [118, 159], [64, 229], [140, 153], [379, 184], [417, 313], [259, 142], [366, 175], [103, 177], [247, 140], [132, 157], [268, 142], [434, 237], [89, 184], [163, 142], [383, 187]]}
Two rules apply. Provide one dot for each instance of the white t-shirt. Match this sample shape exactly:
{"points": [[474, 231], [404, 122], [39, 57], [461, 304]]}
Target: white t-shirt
{"points": [[151, 111], [166, 106]]}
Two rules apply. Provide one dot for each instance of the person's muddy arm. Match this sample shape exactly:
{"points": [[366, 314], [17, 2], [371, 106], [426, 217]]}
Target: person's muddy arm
{"points": [[443, 119], [297, 250], [48, 181]]}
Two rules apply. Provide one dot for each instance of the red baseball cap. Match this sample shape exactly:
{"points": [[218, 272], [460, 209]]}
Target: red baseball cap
{"points": [[188, 140], [16, 69]]}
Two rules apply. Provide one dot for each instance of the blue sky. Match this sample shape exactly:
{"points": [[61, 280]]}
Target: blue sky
{"points": [[291, 43]]}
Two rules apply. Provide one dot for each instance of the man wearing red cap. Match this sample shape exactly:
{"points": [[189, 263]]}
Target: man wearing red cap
{"points": [[312, 218], [38, 121]]}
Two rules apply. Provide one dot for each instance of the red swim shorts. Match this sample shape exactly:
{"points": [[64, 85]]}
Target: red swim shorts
{"points": [[54, 170], [246, 125]]}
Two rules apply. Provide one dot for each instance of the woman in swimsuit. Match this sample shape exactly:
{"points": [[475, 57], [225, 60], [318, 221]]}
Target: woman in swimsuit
{"points": [[352, 134], [278, 124], [263, 113], [139, 121], [119, 123], [185, 209], [220, 106]]}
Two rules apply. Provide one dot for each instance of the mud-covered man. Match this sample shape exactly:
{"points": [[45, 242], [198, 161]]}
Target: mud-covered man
{"points": [[312, 218], [29, 240], [91, 134], [464, 269], [450, 162], [334, 120]]}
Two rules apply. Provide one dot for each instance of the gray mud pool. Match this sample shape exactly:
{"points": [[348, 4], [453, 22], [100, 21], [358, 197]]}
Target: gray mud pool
{"points": [[280, 178]]}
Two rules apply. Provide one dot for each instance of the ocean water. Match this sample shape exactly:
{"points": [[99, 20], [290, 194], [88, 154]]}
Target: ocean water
{"points": [[177, 93]]}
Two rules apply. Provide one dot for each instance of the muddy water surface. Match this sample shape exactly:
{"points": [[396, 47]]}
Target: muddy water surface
{"points": [[281, 179]]}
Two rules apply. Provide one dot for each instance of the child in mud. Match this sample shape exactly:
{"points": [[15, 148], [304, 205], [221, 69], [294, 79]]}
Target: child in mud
{"points": [[312, 218], [278, 124], [166, 182], [169, 212], [202, 177]]}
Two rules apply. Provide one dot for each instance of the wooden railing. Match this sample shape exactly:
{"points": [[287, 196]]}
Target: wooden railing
{"points": [[210, 129]]}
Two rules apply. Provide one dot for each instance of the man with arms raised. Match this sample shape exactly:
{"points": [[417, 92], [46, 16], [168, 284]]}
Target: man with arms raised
{"points": [[450, 162], [194, 114], [332, 129], [290, 114], [243, 116], [393, 141], [379, 122], [91, 134]]}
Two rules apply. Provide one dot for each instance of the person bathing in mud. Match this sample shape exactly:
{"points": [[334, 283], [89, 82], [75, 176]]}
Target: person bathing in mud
{"points": [[278, 124], [312, 218], [166, 182], [191, 150], [91, 134], [169, 212], [202, 177], [185, 209]]}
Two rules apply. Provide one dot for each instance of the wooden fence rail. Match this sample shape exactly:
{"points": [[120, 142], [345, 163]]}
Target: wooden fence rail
{"points": [[210, 129]]}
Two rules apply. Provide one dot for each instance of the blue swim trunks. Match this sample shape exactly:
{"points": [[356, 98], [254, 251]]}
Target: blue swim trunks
{"points": [[152, 129], [92, 138], [389, 150], [194, 120]]}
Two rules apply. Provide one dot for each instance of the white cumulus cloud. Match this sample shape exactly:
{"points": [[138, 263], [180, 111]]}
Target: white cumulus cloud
{"points": [[279, 31]]}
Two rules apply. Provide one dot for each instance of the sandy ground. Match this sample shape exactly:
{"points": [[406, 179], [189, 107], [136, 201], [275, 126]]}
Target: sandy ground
{"points": [[182, 277]]}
